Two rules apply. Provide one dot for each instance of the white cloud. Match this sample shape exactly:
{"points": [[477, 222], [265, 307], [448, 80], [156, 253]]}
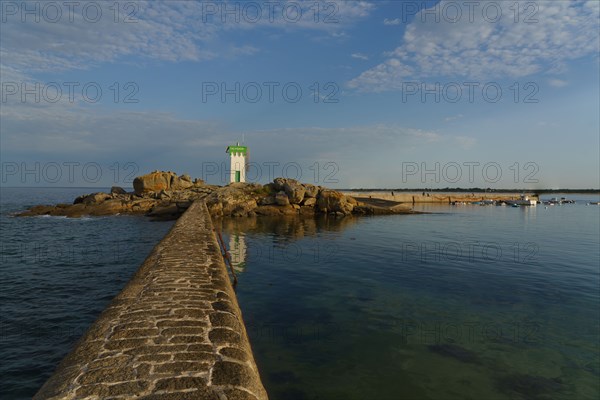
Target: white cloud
{"points": [[65, 129], [360, 56], [9, 74], [345, 9], [72, 131], [453, 117], [55, 124], [395, 21], [558, 83], [358, 136], [481, 49], [168, 31], [164, 31], [339, 35]]}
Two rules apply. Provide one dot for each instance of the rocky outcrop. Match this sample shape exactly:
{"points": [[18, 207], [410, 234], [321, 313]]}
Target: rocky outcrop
{"points": [[309, 202], [161, 180], [311, 191], [277, 184], [96, 198], [165, 195], [117, 190], [294, 190], [92, 198], [165, 210], [282, 199], [237, 199], [181, 182], [152, 182], [330, 201]]}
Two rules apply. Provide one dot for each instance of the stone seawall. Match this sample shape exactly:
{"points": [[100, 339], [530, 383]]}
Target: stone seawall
{"points": [[174, 332], [434, 197]]}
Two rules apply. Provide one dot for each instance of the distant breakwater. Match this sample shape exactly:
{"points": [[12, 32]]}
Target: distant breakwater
{"points": [[435, 197]]}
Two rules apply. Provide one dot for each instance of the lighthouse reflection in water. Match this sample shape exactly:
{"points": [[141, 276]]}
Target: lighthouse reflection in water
{"points": [[238, 251]]}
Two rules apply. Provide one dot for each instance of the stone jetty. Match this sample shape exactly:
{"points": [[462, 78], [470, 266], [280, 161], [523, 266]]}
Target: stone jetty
{"points": [[174, 332]]}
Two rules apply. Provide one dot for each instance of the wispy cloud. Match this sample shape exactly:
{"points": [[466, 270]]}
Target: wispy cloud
{"points": [[395, 21], [480, 49], [558, 83], [170, 31], [64, 129], [339, 35], [360, 56], [57, 131], [453, 117], [162, 31]]}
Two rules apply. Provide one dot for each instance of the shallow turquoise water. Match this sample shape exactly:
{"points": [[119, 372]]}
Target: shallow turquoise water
{"points": [[466, 302]]}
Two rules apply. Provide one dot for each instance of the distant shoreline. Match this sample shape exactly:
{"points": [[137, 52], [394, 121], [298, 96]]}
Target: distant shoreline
{"points": [[445, 190], [476, 190]]}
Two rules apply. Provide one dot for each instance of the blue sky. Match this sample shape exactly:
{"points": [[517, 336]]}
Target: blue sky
{"points": [[394, 94]]}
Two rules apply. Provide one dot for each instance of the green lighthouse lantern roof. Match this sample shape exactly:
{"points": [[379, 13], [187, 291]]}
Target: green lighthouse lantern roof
{"points": [[237, 149]]}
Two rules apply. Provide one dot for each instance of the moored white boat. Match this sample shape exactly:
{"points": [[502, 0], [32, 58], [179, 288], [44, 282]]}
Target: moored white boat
{"points": [[523, 201]]}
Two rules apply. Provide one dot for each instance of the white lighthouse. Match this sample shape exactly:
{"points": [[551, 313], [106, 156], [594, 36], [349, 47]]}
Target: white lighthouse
{"points": [[238, 155]]}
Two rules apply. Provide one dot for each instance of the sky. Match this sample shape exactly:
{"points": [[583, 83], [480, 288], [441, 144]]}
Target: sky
{"points": [[345, 94]]}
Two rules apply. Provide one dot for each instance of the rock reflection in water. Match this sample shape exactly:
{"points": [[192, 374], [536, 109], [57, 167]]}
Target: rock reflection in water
{"points": [[283, 230], [285, 227]]}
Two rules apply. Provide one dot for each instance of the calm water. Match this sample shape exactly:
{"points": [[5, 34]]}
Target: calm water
{"points": [[56, 277], [466, 302]]}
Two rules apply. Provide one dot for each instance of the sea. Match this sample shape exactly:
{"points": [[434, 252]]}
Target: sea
{"points": [[460, 302]]}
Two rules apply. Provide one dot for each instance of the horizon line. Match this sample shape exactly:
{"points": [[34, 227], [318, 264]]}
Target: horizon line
{"points": [[447, 189]]}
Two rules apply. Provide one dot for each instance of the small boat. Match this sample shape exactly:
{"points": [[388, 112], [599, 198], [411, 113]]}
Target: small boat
{"points": [[556, 201], [594, 203], [515, 205], [523, 201]]}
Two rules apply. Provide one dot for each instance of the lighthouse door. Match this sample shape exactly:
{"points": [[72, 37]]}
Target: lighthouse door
{"points": [[237, 176]]}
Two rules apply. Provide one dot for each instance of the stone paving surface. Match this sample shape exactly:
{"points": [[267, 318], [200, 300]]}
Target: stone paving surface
{"points": [[174, 332]]}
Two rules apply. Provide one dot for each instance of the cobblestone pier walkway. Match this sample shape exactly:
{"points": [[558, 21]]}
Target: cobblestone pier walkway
{"points": [[174, 332]]}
